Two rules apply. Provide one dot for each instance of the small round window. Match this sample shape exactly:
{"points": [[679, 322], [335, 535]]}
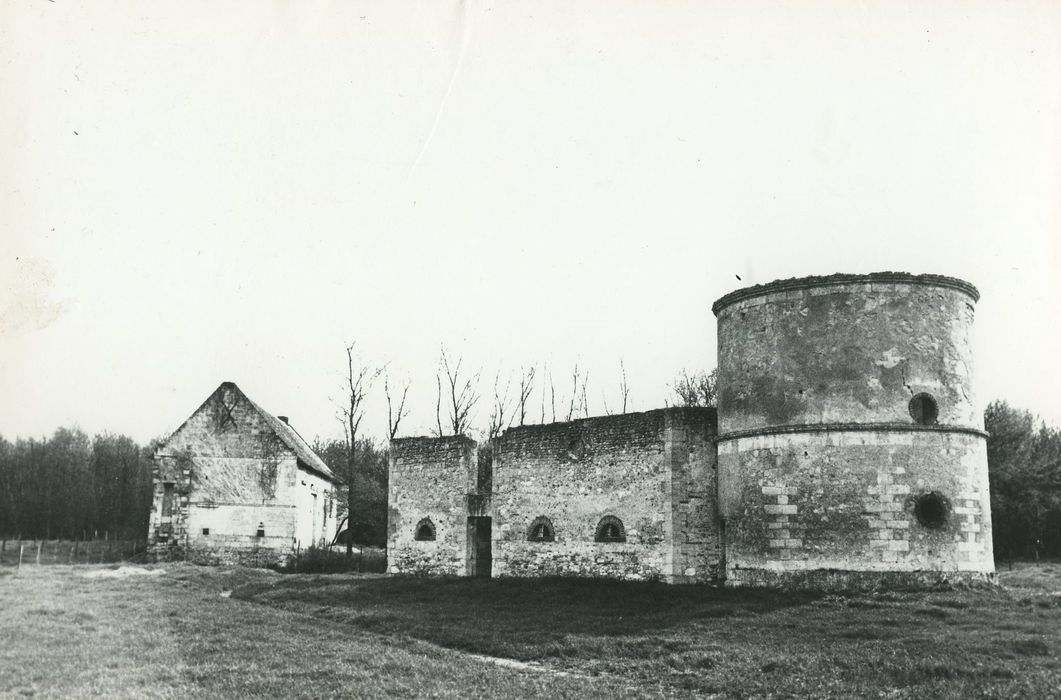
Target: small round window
{"points": [[923, 409], [931, 510]]}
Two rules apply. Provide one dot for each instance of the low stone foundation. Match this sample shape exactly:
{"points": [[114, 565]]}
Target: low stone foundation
{"points": [[836, 580]]}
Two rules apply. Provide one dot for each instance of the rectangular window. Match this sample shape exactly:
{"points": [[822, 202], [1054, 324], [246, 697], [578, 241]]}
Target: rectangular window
{"points": [[261, 532], [206, 531], [167, 500]]}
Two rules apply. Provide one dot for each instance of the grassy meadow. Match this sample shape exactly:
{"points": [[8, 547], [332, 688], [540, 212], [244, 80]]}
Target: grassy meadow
{"points": [[82, 631]]}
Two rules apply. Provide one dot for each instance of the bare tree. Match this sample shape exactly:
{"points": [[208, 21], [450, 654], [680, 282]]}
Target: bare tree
{"points": [[526, 384], [624, 390], [463, 393], [700, 389], [394, 416], [500, 407], [585, 400], [356, 384], [579, 403], [438, 404]]}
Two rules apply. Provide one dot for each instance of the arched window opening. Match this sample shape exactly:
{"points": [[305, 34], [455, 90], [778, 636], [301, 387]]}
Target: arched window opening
{"points": [[923, 409], [610, 529], [541, 530], [931, 510], [425, 530]]}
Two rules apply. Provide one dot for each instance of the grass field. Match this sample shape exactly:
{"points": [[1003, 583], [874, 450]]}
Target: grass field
{"points": [[66, 634]]}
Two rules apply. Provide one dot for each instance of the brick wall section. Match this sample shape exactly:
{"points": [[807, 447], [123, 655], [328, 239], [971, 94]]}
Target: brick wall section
{"points": [[230, 476], [654, 471], [807, 502], [430, 478]]}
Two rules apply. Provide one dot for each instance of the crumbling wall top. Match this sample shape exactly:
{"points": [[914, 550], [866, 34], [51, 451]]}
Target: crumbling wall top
{"points": [[796, 283]]}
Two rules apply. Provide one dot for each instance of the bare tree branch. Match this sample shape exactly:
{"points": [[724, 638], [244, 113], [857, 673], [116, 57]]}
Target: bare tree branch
{"points": [[585, 401], [552, 395], [500, 408], [526, 384], [438, 404], [574, 394], [624, 388], [463, 394], [359, 379], [394, 417]]}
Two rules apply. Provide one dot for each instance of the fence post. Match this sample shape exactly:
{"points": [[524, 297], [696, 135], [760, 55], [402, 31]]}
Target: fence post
{"points": [[39, 553], [21, 548]]}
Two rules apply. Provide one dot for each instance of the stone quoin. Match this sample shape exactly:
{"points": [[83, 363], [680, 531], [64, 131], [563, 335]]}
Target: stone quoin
{"points": [[846, 451]]}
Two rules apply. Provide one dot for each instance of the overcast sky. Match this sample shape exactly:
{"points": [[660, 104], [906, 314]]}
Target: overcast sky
{"points": [[199, 192]]}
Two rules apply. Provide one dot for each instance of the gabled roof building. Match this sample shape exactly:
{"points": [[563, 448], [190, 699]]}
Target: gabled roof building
{"points": [[236, 485]]}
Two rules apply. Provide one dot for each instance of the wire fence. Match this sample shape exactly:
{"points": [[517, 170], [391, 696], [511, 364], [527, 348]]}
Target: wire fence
{"points": [[19, 552]]}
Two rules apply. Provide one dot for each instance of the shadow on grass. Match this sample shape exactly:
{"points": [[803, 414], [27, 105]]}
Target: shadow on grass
{"points": [[518, 618]]}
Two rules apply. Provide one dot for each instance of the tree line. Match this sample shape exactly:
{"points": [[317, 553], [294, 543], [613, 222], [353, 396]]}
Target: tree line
{"points": [[71, 486], [1024, 463]]}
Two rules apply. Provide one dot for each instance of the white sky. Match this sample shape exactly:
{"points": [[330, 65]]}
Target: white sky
{"points": [[199, 192]]}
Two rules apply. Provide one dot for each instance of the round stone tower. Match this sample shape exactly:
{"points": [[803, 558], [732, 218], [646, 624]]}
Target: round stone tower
{"points": [[850, 450]]}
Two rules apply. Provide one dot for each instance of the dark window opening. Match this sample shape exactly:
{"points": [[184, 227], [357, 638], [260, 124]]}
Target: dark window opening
{"points": [[541, 530], [610, 529], [425, 531], [206, 531], [261, 530], [931, 510], [923, 409]]}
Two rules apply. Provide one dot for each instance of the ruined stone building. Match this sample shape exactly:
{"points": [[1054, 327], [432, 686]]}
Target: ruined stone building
{"points": [[846, 450], [235, 484]]}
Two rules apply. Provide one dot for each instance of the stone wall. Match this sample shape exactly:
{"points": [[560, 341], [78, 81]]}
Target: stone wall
{"points": [[653, 471], [691, 455], [805, 502], [845, 349], [227, 534], [430, 480], [825, 467]]}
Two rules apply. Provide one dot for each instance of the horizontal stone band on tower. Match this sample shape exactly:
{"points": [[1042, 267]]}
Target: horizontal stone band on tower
{"points": [[849, 427]]}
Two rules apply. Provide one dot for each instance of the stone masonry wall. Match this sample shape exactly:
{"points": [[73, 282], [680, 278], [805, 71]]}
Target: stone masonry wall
{"points": [[692, 456], [805, 506], [430, 478], [653, 471], [847, 353], [230, 472]]}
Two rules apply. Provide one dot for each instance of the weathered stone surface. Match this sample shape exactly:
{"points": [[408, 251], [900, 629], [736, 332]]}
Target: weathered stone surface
{"points": [[845, 501], [430, 478], [232, 475], [821, 460], [655, 471], [819, 470], [843, 353]]}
